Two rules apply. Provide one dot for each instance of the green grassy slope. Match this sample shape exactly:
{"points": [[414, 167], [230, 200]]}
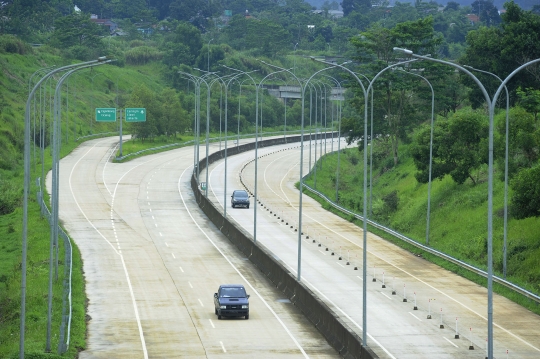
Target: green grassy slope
{"points": [[14, 79]]}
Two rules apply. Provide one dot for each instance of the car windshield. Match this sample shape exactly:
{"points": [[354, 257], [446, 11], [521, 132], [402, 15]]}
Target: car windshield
{"points": [[233, 292], [241, 194]]}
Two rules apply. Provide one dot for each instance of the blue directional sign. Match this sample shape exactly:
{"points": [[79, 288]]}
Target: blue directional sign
{"points": [[106, 114], [135, 114]]}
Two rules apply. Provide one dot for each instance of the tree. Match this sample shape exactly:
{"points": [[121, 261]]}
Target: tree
{"points": [[523, 140], [76, 29], [487, 12], [142, 96], [526, 193], [349, 6], [459, 147], [393, 92]]}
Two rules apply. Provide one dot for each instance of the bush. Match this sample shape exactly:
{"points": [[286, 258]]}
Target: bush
{"points": [[11, 196], [526, 196], [13, 45]]}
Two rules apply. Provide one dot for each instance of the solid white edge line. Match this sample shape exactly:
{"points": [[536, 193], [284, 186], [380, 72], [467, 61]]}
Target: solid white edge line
{"points": [[134, 303], [448, 340], [236, 269]]}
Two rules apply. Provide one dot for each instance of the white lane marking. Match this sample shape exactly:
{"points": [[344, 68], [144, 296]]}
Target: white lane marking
{"points": [[359, 277], [105, 166], [155, 224], [386, 296], [202, 305], [223, 347], [173, 255], [322, 252], [413, 276], [342, 311], [181, 269], [448, 340], [148, 203], [133, 301], [191, 286], [153, 218], [211, 323], [161, 235], [166, 244], [415, 317], [150, 209], [237, 271], [340, 264]]}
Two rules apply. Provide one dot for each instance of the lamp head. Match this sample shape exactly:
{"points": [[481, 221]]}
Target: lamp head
{"points": [[405, 51]]}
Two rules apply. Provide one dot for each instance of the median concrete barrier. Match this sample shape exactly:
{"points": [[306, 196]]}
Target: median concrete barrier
{"points": [[335, 330]]}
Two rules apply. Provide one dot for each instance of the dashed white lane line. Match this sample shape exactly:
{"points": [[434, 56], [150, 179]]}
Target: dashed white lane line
{"points": [[161, 235], [153, 218], [181, 269], [155, 224], [148, 203], [415, 317], [223, 347], [359, 277], [340, 264], [450, 342], [202, 305], [386, 296], [211, 323], [190, 285], [322, 252], [166, 244]]}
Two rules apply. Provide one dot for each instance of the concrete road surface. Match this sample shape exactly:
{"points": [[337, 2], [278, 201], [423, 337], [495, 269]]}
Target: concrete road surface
{"points": [[152, 263], [395, 329]]}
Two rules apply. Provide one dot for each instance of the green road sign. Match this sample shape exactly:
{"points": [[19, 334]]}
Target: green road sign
{"points": [[106, 114], [135, 114]]}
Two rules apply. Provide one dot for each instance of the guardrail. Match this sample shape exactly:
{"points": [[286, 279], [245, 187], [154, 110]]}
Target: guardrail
{"points": [[212, 139], [67, 308], [430, 250]]}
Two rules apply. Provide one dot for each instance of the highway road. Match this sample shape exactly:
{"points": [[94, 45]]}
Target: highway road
{"points": [[396, 329], [152, 262]]}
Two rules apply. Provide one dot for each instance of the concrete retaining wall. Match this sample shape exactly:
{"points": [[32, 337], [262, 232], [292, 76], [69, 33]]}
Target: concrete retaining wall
{"points": [[340, 336]]}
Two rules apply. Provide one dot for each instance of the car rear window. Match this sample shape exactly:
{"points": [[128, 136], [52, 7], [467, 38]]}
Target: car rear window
{"points": [[241, 194]]}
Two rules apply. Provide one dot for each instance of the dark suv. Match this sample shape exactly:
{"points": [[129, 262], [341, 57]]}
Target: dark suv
{"points": [[231, 300], [240, 198]]}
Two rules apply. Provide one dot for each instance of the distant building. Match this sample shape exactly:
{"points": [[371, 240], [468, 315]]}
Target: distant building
{"points": [[474, 19], [111, 25]]}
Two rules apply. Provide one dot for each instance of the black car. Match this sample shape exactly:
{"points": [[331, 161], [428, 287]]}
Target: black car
{"points": [[231, 300], [240, 198]]}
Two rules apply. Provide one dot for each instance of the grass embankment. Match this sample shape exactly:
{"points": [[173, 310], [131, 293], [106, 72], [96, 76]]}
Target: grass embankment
{"points": [[458, 220], [84, 93]]}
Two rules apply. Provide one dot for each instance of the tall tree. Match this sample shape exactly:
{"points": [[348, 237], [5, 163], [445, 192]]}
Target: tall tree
{"points": [[459, 147]]}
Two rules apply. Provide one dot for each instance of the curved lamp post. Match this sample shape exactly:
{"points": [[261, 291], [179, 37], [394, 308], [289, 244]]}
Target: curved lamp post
{"points": [[491, 105], [27, 190], [303, 89], [364, 254], [430, 151], [505, 230]]}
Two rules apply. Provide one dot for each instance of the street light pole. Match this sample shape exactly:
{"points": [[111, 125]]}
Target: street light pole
{"points": [[505, 230], [208, 57], [430, 152], [490, 190], [27, 190]]}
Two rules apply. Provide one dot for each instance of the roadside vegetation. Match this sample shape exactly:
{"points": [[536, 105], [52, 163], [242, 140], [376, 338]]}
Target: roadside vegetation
{"points": [[162, 48]]}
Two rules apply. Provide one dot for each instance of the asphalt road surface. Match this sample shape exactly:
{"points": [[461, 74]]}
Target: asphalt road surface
{"points": [[153, 261], [395, 328]]}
